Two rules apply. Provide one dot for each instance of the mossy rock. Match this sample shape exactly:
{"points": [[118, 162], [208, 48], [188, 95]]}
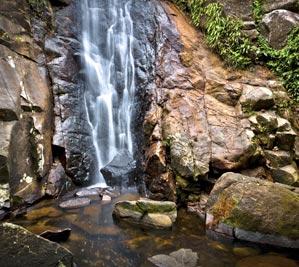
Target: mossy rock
{"points": [[255, 206], [151, 206]]}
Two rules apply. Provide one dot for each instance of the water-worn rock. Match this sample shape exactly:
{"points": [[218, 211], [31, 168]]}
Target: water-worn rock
{"points": [[120, 171], [147, 213], [72, 134], [75, 203], [180, 258], [19, 247], [277, 25], [242, 207]]}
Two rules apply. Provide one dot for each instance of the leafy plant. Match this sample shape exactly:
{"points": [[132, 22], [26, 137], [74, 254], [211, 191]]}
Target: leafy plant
{"points": [[224, 34], [257, 10]]}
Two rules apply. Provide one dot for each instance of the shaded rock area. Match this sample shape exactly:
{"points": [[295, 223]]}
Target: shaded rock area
{"points": [[25, 103], [19, 247], [120, 171], [146, 213], [57, 236], [242, 207], [205, 119]]}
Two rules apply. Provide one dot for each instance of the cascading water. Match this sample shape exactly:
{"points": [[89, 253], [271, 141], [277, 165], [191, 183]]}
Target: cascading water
{"points": [[109, 69]]}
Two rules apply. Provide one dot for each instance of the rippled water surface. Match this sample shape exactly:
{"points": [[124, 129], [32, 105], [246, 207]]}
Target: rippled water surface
{"points": [[97, 241]]}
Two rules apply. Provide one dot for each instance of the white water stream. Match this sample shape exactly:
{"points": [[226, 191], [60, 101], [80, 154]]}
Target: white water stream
{"points": [[109, 69]]}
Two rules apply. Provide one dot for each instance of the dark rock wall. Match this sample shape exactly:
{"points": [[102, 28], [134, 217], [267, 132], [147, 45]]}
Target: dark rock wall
{"points": [[72, 132]]}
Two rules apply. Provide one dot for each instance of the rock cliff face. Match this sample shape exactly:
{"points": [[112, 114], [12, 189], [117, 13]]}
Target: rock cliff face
{"points": [[194, 119], [25, 104], [71, 139], [205, 119]]}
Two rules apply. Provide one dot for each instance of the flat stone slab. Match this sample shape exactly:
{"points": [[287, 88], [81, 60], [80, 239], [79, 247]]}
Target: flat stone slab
{"points": [[19, 247], [75, 203]]}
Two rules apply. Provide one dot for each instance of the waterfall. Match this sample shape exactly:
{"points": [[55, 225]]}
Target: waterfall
{"points": [[107, 35]]}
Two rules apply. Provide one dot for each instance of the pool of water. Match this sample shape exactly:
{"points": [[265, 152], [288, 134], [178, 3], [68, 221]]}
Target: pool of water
{"points": [[96, 240]]}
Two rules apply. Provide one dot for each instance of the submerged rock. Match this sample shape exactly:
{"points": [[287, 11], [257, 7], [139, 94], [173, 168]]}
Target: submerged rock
{"points": [[75, 203], [120, 170], [254, 210], [148, 213], [266, 261], [57, 236], [180, 258], [19, 247]]}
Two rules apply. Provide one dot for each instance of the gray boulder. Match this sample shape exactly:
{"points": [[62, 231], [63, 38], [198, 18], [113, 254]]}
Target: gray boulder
{"points": [[256, 98], [277, 25]]}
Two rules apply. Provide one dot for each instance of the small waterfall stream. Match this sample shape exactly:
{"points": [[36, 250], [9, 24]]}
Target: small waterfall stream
{"points": [[109, 69]]}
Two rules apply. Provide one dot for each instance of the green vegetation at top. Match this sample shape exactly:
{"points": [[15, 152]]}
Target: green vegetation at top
{"points": [[224, 35]]}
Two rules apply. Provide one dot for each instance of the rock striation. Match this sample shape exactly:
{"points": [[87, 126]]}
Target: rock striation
{"points": [[205, 119]]}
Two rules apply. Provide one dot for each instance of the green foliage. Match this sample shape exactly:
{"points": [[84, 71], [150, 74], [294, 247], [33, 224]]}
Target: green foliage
{"points": [[257, 10], [224, 35], [284, 62]]}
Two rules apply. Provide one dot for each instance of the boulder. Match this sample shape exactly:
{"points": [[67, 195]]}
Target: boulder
{"points": [[120, 171], [75, 203], [31, 249], [270, 5], [267, 122], [243, 207], [147, 213], [181, 258], [278, 158], [256, 98], [286, 175], [277, 25], [285, 140]]}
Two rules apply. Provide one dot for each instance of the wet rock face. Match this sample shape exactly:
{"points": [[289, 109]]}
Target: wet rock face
{"points": [[242, 207], [72, 132], [25, 104], [32, 250], [120, 171]]}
